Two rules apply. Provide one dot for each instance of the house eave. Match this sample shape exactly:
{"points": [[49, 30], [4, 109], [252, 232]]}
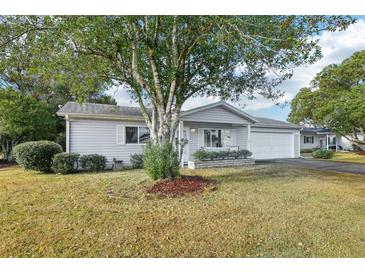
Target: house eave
{"points": [[99, 116], [277, 127]]}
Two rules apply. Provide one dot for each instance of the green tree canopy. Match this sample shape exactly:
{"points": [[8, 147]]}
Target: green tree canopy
{"points": [[23, 118], [164, 60], [336, 99]]}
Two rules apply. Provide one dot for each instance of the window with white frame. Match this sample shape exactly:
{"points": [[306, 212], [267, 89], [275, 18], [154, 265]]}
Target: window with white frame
{"points": [[308, 139], [136, 135], [217, 137]]}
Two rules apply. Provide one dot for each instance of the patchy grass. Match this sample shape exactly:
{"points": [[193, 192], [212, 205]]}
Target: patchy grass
{"points": [[351, 157], [260, 211]]}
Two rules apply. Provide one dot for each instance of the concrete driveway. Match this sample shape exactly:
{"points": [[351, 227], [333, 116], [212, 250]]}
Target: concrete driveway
{"points": [[319, 164]]}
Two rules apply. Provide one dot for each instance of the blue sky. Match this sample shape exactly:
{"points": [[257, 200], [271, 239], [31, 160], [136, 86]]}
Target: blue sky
{"points": [[336, 46]]}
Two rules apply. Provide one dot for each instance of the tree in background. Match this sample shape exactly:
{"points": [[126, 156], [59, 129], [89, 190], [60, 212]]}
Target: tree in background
{"points": [[303, 107], [32, 67], [23, 118], [336, 99]]}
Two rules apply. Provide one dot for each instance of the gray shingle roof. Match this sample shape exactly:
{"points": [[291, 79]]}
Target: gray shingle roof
{"points": [[312, 130], [99, 109], [267, 122], [91, 109]]}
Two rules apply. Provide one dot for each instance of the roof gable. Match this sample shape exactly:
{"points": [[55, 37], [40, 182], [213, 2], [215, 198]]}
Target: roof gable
{"points": [[218, 112]]}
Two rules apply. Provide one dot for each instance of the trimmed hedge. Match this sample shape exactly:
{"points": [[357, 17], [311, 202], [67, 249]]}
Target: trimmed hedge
{"points": [[65, 162], [93, 162], [137, 160], [322, 154], [203, 155], [36, 155]]}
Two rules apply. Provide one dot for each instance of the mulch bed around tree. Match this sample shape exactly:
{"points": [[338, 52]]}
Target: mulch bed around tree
{"points": [[181, 186], [362, 153]]}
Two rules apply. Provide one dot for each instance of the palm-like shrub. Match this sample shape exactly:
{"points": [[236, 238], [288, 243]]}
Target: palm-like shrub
{"points": [[161, 161]]}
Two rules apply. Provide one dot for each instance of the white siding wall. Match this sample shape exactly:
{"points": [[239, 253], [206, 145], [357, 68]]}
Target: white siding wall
{"points": [[242, 137], [99, 136], [346, 144], [308, 146], [215, 115]]}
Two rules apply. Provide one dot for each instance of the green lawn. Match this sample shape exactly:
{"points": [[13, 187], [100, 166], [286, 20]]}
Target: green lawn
{"points": [[261, 211], [351, 157]]}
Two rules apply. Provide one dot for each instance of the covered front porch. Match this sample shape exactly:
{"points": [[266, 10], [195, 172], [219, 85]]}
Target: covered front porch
{"points": [[213, 137], [328, 141]]}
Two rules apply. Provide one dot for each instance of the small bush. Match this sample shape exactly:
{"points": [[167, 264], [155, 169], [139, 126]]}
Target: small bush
{"points": [[161, 161], [93, 162], [137, 160], [322, 154], [203, 155], [65, 163], [36, 155]]}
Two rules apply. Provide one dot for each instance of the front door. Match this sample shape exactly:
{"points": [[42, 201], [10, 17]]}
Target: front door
{"points": [[186, 151]]}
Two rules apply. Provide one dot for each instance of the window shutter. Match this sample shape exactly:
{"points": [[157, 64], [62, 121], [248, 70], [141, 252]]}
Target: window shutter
{"points": [[120, 138], [200, 138], [234, 141]]}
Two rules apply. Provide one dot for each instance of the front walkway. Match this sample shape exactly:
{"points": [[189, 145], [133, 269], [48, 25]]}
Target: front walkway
{"points": [[319, 164]]}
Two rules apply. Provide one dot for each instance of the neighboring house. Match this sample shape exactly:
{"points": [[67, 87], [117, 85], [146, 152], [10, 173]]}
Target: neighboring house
{"points": [[323, 138], [118, 132]]}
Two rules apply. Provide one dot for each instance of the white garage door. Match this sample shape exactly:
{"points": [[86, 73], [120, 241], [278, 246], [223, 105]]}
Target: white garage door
{"points": [[265, 145]]}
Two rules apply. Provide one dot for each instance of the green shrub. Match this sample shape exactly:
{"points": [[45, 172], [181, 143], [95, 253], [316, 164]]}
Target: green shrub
{"points": [[65, 163], [36, 155], [93, 162], [322, 154], [203, 155], [137, 160], [161, 161], [61, 140]]}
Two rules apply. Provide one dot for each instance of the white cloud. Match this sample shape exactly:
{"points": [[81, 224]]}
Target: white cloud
{"points": [[336, 46]]}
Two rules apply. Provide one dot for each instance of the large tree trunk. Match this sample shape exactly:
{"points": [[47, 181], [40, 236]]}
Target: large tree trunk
{"points": [[165, 128]]}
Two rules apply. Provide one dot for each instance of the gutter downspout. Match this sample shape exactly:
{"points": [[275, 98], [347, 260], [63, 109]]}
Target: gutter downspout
{"points": [[181, 130], [67, 134]]}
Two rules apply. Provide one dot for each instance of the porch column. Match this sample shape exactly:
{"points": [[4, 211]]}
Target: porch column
{"points": [[249, 137], [67, 134], [181, 135], [327, 141]]}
